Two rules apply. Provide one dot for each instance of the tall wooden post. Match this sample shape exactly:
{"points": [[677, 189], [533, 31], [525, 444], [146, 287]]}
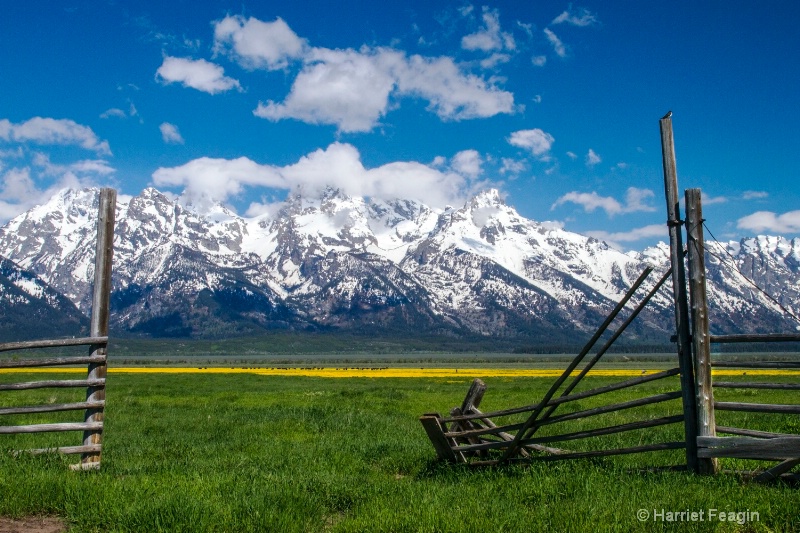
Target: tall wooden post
{"points": [[679, 290], [99, 320], [701, 340]]}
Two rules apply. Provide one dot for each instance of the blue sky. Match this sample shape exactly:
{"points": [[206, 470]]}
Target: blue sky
{"points": [[554, 103]]}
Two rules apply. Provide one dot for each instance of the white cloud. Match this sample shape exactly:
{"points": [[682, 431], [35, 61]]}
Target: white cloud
{"points": [[754, 195], [114, 112], [636, 234], [87, 168], [50, 131], [634, 201], [583, 18], [453, 95], [512, 166], [590, 202], [467, 163], [353, 89], [170, 133], [343, 87], [763, 221], [489, 38], [558, 46], [198, 74], [592, 158], [539, 61], [711, 200], [536, 140], [207, 180], [20, 192], [255, 44], [572, 155]]}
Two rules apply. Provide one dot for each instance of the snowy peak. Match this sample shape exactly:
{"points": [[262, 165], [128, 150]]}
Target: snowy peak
{"points": [[330, 260]]}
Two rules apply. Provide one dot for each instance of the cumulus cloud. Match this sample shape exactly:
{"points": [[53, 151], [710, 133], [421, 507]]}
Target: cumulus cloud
{"points": [[635, 201], [467, 163], [347, 88], [207, 180], [769, 221], [536, 140], [255, 44], [592, 158], [196, 73], [170, 133], [558, 46], [50, 131], [489, 38], [22, 188], [754, 195], [353, 89], [582, 18], [512, 166]]}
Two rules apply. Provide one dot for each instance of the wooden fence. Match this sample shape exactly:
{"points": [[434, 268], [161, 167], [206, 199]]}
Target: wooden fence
{"points": [[95, 382], [471, 436]]}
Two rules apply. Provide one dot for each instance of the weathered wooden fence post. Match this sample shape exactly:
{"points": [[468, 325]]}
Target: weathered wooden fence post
{"points": [[701, 339], [679, 290], [99, 320]]}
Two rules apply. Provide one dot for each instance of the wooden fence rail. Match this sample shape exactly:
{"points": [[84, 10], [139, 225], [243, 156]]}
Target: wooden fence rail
{"points": [[469, 435], [95, 382]]}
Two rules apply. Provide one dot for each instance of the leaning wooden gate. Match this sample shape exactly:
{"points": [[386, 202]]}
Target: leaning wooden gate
{"points": [[478, 438], [95, 382]]}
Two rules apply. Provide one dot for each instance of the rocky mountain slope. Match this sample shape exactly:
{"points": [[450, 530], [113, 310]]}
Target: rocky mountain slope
{"points": [[328, 261], [31, 309]]}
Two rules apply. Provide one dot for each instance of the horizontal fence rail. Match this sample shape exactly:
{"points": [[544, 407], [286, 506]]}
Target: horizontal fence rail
{"points": [[43, 428], [54, 343], [765, 337], [53, 384]]}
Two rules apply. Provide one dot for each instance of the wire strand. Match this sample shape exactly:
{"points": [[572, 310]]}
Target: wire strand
{"points": [[750, 281]]}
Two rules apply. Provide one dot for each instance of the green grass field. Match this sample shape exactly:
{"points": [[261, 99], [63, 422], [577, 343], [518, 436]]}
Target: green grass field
{"points": [[240, 452]]}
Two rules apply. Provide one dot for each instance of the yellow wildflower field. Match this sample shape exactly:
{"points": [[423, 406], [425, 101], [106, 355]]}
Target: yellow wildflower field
{"points": [[359, 372]]}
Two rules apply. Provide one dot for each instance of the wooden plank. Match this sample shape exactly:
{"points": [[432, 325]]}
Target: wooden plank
{"points": [[596, 453], [101, 308], [494, 429], [580, 395], [53, 384], [757, 407], [750, 432], [657, 398], [593, 361], [433, 427], [52, 343], [777, 470], [701, 345], [763, 337], [779, 448], [50, 408], [574, 364], [598, 432], [55, 361], [63, 449], [756, 364], [43, 428], [474, 395], [680, 300], [756, 385]]}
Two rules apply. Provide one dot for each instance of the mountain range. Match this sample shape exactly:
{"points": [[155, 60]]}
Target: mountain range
{"points": [[329, 262]]}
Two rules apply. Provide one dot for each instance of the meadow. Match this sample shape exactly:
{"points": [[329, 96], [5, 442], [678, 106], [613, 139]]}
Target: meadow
{"points": [[248, 451]]}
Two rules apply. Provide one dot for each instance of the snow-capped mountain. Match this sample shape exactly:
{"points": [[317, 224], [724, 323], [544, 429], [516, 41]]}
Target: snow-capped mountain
{"points": [[332, 261], [30, 308]]}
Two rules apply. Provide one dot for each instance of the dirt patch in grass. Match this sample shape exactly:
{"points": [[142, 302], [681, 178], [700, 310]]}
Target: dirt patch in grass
{"points": [[32, 524]]}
